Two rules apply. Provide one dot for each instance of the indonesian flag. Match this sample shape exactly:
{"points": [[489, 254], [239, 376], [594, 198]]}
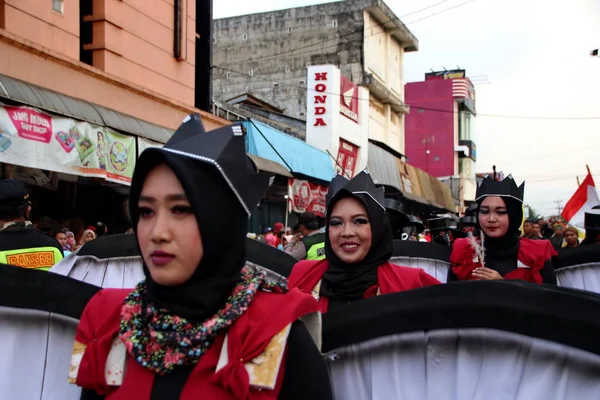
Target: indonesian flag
{"points": [[583, 200]]}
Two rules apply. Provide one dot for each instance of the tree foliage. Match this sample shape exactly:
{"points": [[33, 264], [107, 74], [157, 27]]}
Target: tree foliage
{"points": [[533, 214]]}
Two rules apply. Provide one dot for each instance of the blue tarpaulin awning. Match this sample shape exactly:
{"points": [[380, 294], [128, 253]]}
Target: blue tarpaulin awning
{"points": [[300, 157]]}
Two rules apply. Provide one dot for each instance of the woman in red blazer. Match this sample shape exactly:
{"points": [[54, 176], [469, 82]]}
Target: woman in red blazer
{"points": [[358, 247]]}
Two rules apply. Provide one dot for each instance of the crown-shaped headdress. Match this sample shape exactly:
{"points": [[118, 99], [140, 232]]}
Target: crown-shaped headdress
{"points": [[504, 188], [360, 184], [223, 148]]}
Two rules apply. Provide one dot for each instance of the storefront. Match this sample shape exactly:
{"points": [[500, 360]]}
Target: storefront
{"points": [[421, 194], [338, 122], [303, 188], [75, 157]]}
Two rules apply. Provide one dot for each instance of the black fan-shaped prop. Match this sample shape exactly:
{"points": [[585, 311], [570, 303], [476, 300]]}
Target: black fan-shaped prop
{"points": [[469, 340]]}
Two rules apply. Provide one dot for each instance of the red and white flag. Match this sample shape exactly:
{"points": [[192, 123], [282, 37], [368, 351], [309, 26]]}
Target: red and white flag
{"points": [[584, 199]]}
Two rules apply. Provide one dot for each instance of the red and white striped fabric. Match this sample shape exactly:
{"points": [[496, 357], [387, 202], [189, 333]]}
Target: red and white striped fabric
{"points": [[583, 200]]}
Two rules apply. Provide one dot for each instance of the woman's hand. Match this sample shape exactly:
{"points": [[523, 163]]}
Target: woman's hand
{"points": [[486, 274]]}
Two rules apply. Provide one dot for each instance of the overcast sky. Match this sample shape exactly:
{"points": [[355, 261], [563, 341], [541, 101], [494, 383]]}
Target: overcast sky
{"points": [[535, 54]]}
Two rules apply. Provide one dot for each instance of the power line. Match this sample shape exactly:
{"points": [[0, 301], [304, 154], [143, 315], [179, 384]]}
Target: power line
{"points": [[440, 12], [415, 106], [551, 155], [423, 9], [357, 32]]}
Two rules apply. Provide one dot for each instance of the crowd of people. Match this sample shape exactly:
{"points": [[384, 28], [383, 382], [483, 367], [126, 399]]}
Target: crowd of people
{"points": [[200, 321], [555, 230]]}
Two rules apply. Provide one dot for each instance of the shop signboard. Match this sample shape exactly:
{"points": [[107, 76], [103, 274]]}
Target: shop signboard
{"points": [[441, 75], [35, 139], [349, 99], [346, 160], [306, 196]]}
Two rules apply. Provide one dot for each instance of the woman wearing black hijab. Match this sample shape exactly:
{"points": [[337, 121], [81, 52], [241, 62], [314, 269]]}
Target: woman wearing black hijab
{"points": [[358, 247], [202, 323], [499, 253]]}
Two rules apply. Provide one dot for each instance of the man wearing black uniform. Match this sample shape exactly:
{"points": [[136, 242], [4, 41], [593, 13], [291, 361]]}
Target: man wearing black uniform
{"points": [[20, 243]]}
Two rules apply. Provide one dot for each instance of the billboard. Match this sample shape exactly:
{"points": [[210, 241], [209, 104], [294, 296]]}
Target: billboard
{"points": [[452, 74]]}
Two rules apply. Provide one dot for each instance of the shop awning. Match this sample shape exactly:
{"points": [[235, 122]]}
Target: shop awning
{"points": [[262, 164], [300, 157], [383, 167], [48, 100]]}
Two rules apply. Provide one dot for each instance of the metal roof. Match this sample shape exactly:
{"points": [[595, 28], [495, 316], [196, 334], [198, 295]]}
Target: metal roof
{"points": [[262, 164], [51, 101]]}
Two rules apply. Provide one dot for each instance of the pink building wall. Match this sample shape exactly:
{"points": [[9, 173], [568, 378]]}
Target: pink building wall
{"points": [[133, 39], [38, 23], [431, 130], [134, 70]]}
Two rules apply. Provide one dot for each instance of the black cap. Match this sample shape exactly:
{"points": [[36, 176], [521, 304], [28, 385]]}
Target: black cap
{"points": [[439, 224], [416, 223], [309, 220], [13, 195]]}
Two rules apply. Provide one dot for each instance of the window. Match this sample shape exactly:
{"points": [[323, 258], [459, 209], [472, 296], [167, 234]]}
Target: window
{"points": [[290, 29], [58, 6]]}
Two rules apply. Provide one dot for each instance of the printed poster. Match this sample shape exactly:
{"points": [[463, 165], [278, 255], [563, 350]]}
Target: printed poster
{"points": [[119, 156], [306, 196], [35, 139]]}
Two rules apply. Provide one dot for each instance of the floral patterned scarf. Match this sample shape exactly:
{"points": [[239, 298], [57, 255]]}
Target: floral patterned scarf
{"points": [[160, 340]]}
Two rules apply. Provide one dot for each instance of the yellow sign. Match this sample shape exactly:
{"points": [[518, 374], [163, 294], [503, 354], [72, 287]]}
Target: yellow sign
{"points": [[37, 259]]}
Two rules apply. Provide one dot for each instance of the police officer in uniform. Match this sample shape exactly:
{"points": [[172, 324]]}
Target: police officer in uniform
{"points": [[312, 244], [20, 243]]}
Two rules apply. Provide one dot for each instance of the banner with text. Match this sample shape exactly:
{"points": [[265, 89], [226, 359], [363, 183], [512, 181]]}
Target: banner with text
{"points": [[305, 196], [35, 139]]}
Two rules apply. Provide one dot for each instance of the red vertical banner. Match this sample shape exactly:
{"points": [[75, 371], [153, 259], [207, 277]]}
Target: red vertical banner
{"points": [[349, 99], [346, 159], [307, 196]]}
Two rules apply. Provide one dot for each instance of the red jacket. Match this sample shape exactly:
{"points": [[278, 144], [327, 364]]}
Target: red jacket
{"points": [[532, 256], [268, 314], [391, 278]]}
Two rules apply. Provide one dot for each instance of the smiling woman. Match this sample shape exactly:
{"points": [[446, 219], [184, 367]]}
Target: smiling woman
{"points": [[201, 315], [499, 253], [358, 247]]}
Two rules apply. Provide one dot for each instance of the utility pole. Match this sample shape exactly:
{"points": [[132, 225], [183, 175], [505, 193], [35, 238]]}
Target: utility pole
{"points": [[559, 206]]}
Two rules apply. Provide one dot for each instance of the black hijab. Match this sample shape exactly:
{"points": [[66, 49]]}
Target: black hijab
{"points": [[344, 282], [507, 246], [223, 224]]}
